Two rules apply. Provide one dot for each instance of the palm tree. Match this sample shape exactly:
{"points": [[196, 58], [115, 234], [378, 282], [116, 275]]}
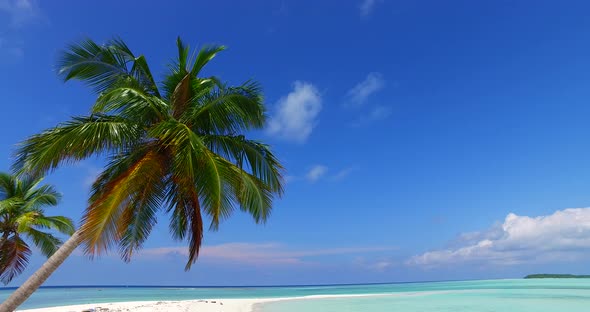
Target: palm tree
{"points": [[21, 216], [178, 146]]}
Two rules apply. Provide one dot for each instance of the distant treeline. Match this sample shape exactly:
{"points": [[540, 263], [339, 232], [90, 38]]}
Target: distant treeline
{"points": [[556, 276]]}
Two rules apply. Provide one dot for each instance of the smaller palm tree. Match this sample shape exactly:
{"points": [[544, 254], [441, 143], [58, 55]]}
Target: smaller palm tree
{"points": [[21, 216]]}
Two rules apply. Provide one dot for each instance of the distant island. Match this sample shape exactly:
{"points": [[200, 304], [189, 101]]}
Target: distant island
{"points": [[556, 276]]}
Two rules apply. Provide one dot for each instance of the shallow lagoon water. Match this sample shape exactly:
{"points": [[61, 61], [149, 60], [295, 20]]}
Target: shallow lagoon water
{"points": [[516, 295], [476, 300]]}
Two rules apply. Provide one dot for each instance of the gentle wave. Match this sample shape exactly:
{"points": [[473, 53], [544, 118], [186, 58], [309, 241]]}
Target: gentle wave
{"points": [[428, 296]]}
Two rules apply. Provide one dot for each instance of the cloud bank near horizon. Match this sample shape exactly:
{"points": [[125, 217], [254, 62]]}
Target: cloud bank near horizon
{"points": [[563, 236], [259, 253]]}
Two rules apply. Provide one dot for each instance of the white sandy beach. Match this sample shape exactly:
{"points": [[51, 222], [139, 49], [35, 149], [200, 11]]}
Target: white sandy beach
{"points": [[201, 305], [213, 305]]}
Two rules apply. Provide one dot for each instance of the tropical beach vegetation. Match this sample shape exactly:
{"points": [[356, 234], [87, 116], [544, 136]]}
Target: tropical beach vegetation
{"points": [[555, 276], [178, 146], [359, 156], [22, 219]]}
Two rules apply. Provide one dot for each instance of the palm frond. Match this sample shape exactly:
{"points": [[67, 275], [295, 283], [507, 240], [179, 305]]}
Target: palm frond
{"points": [[177, 70], [193, 162], [7, 185], [179, 101], [10, 204], [254, 197], [252, 194], [205, 55], [139, 214], [130, 100], [25, 220], [45, 195], [253, 155], [227, 110], [46, 242], [183, 57], [14, 257], [186, 220], [142, 73], [22, 214], [62, 224], [111, 194], [27, 184], [75, 140], [179, 146], [99, 66], [214, 187]]}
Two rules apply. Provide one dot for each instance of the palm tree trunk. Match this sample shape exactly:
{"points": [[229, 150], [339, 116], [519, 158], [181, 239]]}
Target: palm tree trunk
{"points": [[30, 285]]}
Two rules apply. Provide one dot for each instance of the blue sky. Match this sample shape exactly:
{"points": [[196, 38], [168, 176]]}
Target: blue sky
{"points": [[423, 140]]}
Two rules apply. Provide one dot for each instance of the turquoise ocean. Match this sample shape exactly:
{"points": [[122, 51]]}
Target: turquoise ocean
{"points": [[516, 295]]}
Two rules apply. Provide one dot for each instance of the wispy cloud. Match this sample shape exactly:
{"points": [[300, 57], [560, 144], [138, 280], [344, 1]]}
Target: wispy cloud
{"points": [[358, 99], [321, 172], [379, 264], [281, 10], [367, 6], [360, 93], [376, 113], [340, 175], [15, 15], [316, 172], [19, 12], [561, 236], [291, 178], [296, 113], [259, 253]]}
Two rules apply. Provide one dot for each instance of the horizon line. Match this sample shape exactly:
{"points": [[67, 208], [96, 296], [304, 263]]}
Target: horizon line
{"points": [[260, 286]]}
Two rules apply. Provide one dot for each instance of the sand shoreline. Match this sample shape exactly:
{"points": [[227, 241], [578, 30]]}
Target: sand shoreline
{"points": [[200, 305]]}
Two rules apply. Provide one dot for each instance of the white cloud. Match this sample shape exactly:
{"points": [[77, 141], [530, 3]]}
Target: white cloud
{"points": [[316, 173], [379, 264], [377, 113], [561, 236], [360, 93], [296, 113], [258, 253], [14, 16], [366, 7], [358, 97], [291, 178], [342, 174], [382, 265], [19, 12]]}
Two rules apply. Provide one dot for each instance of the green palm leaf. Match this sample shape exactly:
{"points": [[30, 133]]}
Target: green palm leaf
{"points": [[46, 242], [113, 192], [129, 100], [226, 110], [64, 225], [14, 257], [21, 213], [254, 155], [204, 56], [75, 140], [98, 66], [182, 149], [139, 214], [186, 221]]}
